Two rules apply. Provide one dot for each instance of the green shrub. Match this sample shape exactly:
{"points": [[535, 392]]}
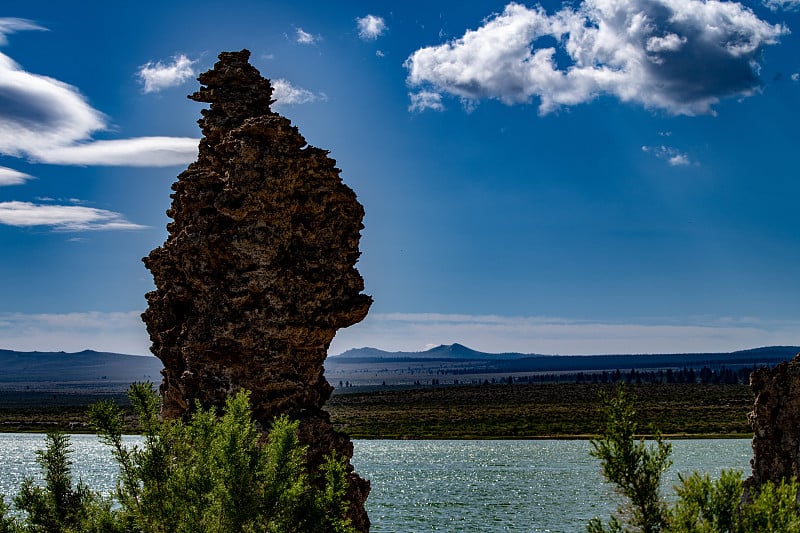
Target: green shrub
{"points": [[634, 467], [706, 505], [209, 474], [774, 508], [703, 505]]}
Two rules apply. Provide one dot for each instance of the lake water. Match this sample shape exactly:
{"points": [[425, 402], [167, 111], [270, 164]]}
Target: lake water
{"points": [[447, 486]]}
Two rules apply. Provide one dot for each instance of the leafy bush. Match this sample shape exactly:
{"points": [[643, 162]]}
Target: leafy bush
{"points": [[703, 505], [210, 474], [635, 468]]}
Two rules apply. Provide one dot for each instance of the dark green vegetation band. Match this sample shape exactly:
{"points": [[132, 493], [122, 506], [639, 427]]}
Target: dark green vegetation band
{"points": [[467, 412]]}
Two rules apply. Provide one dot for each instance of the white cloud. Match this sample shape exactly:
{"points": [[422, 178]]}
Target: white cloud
{"points": [[284, 93], [46, 120], [13, 25], [124, 332], [783, 5], [120, 332], [39, 112], [62, 217], [681, 56], [672, 155], [547, 335], [305, 37], [9, 176], [423, 100], [667, 43], [136, 152], [156, 75], [678, 160], [370, 27]]}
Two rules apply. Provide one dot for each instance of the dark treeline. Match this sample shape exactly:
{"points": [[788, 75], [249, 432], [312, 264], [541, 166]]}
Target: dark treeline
{"points": [[723, 375], [705, 375]]}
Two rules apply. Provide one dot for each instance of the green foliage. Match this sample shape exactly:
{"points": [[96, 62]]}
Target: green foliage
{"points": [[211, 474], [774, 508], [706, 505], [634, 467], [7, 524], [58, 506], [703, 505]]}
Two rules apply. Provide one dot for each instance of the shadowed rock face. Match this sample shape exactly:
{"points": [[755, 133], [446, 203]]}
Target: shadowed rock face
{"points": [[776, 424], [258, 271]]}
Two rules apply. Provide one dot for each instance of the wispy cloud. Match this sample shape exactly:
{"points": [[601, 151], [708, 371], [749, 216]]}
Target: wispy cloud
{"points": [[549, 335], [285, 93], [422, 100], [124, 332], [158, 75], [370, 27], [681, 56], [13, 25], [49, 121], [9, 176], [62, 217], [672, 155], [303, 37], [120, 332], [136, 152], [783, 5]]}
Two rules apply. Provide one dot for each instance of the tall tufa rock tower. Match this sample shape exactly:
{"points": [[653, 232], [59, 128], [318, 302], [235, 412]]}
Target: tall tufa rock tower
{"points": [[258, 271]]}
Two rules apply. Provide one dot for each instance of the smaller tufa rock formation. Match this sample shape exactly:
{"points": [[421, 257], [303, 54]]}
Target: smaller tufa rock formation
{"points": [[258, 271], [776, 424]]}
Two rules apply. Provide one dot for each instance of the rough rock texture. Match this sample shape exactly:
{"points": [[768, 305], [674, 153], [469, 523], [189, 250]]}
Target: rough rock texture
{"points": [[776, 424], [258, 271]]}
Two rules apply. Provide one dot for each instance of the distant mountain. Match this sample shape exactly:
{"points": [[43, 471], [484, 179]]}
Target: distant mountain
{"points": [[458, 363], [98, 368], [536, 362], [444, 351], [85, 366]]}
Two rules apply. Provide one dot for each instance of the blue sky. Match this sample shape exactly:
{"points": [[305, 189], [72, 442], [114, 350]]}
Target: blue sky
{"points": [[587, 177]]}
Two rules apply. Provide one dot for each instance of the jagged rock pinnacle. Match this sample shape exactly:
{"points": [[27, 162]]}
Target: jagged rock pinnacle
{"points": [[258, 271]]}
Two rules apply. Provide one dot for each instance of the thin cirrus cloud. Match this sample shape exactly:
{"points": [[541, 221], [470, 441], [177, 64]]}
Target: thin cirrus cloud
{"points": [[62, 217], [370, 27], [48, 121], [11, 25], [783, 5], [680, 56], [157, 75], [9, 176], [284, 93]]}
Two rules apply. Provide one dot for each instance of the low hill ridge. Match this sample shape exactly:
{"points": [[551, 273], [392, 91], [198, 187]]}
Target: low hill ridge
{"points": [[84, 366], [459, 351], [92, 368]]}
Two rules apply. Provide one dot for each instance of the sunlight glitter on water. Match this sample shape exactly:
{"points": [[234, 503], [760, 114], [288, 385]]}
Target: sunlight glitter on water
{"points": [[443, 486]]}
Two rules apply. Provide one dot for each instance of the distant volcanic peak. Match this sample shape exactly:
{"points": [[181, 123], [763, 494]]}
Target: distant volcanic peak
{"points": [[459, 348], [236, 91]]}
